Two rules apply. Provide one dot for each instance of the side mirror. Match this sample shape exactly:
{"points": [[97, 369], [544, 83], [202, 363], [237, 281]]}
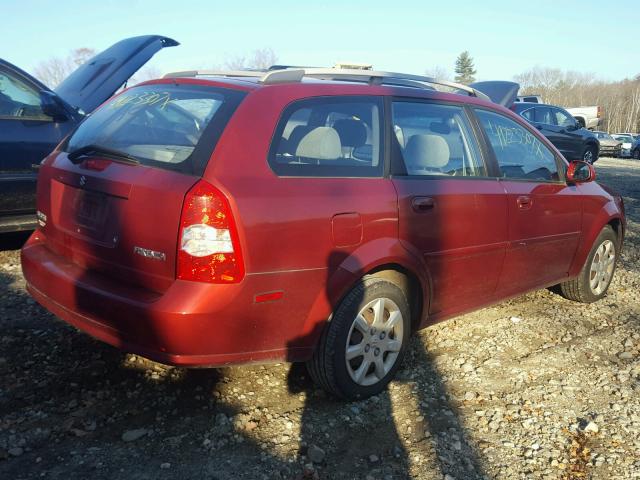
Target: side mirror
{"points": [[52, 107], [580, 172]]}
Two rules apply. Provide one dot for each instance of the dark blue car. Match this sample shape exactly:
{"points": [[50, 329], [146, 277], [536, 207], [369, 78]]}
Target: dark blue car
{"points": [[555, 123], [34, 118]]}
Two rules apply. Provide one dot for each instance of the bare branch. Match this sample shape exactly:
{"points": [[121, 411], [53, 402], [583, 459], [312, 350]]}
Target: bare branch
{"points": [[259, 59], [53, 71], [439, 72]]}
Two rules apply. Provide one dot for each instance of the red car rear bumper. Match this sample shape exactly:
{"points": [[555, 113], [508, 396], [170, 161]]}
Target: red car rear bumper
{"points": [[191, 324]]}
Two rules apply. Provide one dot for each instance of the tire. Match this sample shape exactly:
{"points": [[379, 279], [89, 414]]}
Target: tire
{"points": [[636, 154], [383, 346], [587, 287], [590, 154]]}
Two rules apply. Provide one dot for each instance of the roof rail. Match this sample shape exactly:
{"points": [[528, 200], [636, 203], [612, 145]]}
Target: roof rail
{"points": [[214, 73], [374, 77], [269, 78], [283, 74]]}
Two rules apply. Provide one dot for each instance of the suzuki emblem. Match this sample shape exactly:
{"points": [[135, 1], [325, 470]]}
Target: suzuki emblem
{"points": [[83, 181]]}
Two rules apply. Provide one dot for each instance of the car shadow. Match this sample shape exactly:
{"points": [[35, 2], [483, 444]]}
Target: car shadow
{"points": [[387, 434], [74, 407], [72, 400], [414, 418]]}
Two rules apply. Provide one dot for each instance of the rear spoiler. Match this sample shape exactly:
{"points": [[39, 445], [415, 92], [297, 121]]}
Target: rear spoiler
{"points": [[499, 91]]}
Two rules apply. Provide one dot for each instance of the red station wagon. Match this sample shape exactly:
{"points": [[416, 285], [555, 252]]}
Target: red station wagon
{"points": [[316, 215]]}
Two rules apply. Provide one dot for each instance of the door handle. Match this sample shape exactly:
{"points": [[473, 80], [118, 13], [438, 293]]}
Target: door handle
{"points": [[524, 202], [422, 204]]}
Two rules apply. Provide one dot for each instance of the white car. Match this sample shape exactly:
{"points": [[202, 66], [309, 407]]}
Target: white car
{"points": [[627, 142]]}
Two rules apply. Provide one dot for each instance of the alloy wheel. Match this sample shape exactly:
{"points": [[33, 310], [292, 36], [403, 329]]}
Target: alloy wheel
{"points": [[602, 267], [374, 341], [588, 156]]}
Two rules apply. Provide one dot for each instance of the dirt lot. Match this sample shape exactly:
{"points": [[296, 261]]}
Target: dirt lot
{"points": [[537, 387]]}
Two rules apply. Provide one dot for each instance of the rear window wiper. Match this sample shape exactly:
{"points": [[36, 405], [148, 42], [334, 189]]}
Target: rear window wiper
{"points": [[93, 149]]}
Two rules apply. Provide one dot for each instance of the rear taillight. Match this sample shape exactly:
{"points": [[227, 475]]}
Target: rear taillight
{"points": [[208, 248]]}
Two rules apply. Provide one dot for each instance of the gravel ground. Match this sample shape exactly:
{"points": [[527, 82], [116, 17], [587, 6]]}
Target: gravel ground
{"points": [[537, 387]]}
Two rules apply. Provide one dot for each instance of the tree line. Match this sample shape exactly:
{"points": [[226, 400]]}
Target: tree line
{"points": [[620, 100]]}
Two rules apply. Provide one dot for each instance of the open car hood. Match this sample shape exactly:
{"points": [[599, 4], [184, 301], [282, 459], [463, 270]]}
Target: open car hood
{"points": [[99, 78], [501, 92]]}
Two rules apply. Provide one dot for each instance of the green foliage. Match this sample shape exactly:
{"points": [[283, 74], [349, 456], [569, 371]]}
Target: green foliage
{"points": [[465, 71]]}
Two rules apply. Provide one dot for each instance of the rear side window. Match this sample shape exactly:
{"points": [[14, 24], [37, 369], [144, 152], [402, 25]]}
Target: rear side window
{"points": [[528, 114], [519, 153], [436, 139], [172, 126], [329, 137], [543, 115]]}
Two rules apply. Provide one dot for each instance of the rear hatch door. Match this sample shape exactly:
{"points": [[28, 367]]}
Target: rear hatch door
{"points": [[115, 208], [121, 221], [95, 81]]}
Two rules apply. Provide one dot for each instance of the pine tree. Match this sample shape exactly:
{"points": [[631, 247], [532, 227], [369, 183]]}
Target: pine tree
{"points": [[464, 68]]}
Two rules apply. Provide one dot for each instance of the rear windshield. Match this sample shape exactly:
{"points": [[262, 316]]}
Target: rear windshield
{"points": [[172, 126]]}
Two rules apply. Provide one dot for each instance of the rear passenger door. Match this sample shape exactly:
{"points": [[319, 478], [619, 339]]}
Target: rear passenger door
{"points": [[544, 212], [451, 211]]}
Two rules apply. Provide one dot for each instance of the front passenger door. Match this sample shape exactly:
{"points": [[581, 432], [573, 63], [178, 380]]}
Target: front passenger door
{"points": [[544, 121], [544, 212], [571, 142]]}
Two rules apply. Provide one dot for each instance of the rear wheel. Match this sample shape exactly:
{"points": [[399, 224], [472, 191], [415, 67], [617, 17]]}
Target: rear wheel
{"points": [[636, 153], [590, 154], [596, 274], [363, 345]]}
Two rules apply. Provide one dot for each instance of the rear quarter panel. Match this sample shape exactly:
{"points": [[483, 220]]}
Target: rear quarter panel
{"points": [[290, 227]]}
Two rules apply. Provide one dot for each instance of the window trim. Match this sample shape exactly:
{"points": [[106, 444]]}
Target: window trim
{"points": [[560, 163], [280, 169], [397, 168]]}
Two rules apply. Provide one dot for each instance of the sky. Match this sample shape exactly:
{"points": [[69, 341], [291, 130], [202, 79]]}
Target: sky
{"points": [[504, 38]]}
